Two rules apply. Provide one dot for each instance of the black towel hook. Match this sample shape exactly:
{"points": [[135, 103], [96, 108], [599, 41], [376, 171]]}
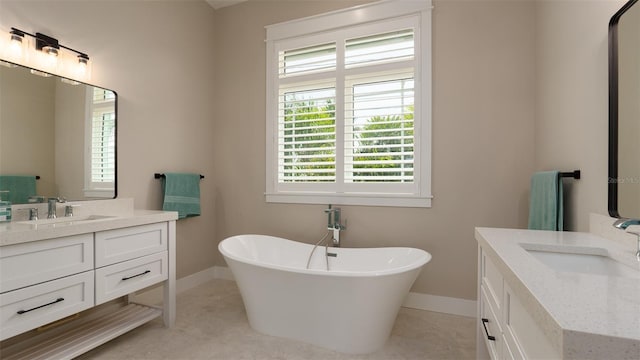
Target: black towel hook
{"points": [[159, 175], [572, 174]]}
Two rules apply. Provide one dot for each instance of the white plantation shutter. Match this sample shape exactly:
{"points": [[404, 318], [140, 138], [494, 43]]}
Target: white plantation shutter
{"points": [[348, 118], [101, 144], [380, 131], [307, 60], [307, 135], [103, 156], [379, 48]]}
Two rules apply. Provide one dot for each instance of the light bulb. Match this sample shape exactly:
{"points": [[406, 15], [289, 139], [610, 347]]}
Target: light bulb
{"points": [[82, 65], [15, 46], [51, 56]]}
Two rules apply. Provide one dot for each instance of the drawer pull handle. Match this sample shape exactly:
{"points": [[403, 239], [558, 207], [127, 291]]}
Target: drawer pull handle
{"points": [[20, 312], [131, 277], [484, 324]]}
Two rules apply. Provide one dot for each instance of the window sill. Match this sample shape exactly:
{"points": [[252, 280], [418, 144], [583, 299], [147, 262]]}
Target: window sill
{"points": [[395, 200]]}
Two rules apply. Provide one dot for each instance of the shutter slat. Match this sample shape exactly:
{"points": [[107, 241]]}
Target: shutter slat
{"points": [[380, 48], [307, 60]]}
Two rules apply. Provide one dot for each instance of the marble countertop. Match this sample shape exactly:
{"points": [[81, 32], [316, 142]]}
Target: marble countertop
{"points": [[583, 309], [17, 232]]}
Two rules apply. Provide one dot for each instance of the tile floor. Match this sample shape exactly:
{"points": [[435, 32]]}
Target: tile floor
{"points": [[211, 324]]}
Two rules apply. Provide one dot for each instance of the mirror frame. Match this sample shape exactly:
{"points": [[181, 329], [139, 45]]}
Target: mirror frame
{"points": [[115, 170], [613, 110]]}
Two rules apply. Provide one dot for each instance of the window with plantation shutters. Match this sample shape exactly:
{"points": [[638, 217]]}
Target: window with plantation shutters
{"points": [[100, 139], [349, 108]]}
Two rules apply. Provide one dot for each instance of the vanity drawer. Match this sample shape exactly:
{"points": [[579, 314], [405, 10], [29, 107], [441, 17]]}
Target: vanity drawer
{"points": [[39, 261], [126, 277], [124, 244], [25, 309], [493, 282], [489, 321], [525, 338]]}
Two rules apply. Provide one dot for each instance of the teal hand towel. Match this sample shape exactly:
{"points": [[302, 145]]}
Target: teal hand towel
{"points": [[545, 203], [20, 187], [181, 194]]}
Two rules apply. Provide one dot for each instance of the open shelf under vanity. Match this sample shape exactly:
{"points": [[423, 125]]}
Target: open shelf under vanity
{"points": [[81, 334]]}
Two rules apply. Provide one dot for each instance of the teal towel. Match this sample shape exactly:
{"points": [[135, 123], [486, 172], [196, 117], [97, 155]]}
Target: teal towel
{"points": [[181, 194], [545, 203], [20, 187]]}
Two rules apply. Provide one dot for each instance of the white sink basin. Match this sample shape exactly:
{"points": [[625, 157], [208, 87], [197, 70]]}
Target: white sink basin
{"points": [[67, 220], [598, 264]]}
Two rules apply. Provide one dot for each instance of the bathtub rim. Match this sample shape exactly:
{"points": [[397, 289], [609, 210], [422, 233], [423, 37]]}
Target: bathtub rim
{"points": [[423, 260]]}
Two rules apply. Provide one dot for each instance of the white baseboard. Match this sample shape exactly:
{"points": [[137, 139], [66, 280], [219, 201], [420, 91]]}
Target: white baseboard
{"points": [[223, 272], [442, 304], [154, 295]]}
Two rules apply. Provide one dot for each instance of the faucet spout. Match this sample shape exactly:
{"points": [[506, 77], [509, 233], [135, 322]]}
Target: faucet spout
{"points": [[624, 224], [51, 213]]}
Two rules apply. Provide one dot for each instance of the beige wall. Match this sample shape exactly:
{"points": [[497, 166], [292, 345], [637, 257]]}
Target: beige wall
{"points": [[483, 114], [572, 100], [158, 57]]}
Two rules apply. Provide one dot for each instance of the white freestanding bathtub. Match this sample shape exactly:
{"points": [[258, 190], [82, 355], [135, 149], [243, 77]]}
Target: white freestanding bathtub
{"points": [[351, 308]]}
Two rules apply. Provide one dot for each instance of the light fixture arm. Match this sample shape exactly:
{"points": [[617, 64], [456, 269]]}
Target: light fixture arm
{"points": [[43, 41]]}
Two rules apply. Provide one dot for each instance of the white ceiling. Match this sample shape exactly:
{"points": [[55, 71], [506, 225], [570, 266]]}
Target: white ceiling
{"points": [[217, 4]]}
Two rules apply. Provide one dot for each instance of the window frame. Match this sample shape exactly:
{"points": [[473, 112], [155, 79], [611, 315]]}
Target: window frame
{"points": [[336, 27]]}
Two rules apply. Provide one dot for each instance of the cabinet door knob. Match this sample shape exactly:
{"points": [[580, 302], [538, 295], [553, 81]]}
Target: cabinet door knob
{"points": [[484, 324]]}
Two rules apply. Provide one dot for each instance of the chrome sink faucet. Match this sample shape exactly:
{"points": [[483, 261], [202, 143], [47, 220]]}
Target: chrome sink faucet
{"points": [[333, 224], [624, 224], [51, 214]]}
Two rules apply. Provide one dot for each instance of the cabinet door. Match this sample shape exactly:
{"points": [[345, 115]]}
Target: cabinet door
{"points": [[39, 261], [124, 244], [27, 308]]}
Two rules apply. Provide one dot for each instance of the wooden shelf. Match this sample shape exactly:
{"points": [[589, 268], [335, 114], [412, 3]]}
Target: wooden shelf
{"points": [[81, 335]]}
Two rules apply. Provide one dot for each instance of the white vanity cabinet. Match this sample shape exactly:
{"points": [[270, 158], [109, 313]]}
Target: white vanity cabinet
{"points": [[46, 280], [544, 310], [504, 326]]}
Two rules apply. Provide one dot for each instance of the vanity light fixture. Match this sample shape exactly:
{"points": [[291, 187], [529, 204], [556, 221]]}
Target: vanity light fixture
{"points": [[50, 56]]}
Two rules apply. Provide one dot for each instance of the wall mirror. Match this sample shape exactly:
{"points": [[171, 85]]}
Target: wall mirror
{"points": [[624, 112], [58, 130]]}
